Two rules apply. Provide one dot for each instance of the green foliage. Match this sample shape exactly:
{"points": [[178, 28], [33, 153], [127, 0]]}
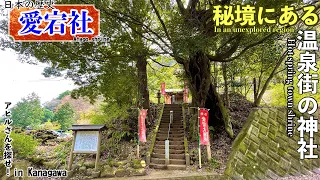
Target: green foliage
{"points": [[158, 74], [279, 91], [214, 163], [120, 121], [211, 131], [51, 105], [51, 126], [62, 95], [22, 145], [65, 116], [62, 151], [48, 115], [27, 112]]}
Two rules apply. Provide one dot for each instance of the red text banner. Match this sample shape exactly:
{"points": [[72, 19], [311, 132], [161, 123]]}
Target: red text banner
{"points": [[142, 125], [185, 95], [62, 23], [204, 129], [163, 88]]}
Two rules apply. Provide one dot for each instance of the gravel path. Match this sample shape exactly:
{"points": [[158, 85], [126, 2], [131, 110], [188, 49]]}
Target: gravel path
{"points": [[315, 175]]}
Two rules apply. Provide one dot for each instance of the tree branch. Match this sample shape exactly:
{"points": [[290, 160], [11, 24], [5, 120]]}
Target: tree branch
{"points": [[229, 40], [249, 46], [220, 57], [161, 21], [181, 7], [159, 63]]}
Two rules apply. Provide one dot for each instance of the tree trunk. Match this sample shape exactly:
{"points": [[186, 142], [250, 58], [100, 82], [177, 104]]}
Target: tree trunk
{"points": [[258, 96], [203, 92], [255, 93], [225, 78], [215, 78], [143, 100]]}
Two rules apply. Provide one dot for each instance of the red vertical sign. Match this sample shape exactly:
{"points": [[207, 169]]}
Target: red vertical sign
{"points": [[185, 94], [163, 88], [142, 125], [204, 129]]}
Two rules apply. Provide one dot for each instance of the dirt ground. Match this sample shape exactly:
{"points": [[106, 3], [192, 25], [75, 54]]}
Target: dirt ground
{"points": [[221, 143]]}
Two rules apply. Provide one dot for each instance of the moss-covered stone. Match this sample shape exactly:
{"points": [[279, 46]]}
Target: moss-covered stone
{"points": [[19, 165], [107, 172], [82, 169], [89, 164], [139, 172], [37, 160], [75, 167], [70, 173], [262, 149], [89, 171], [263, 130], [95, 174], [136, 164], [50, 164], [243, 148], [2, 168], [119, 164], [122, 172]]}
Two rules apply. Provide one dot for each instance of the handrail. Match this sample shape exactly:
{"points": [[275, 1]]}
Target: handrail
{"points": [[171, 117], [154, 135], [186, 146]]}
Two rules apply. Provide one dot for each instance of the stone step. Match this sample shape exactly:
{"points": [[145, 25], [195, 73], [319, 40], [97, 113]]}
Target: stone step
{"points": [[171, 156], [170, 166], [171, 146], [176, 167], [178, 124], [157, 166], [165, 131], [165, 134], [170, 142], [171, 161], [171, 151], [163, 138], [167, 118], [174, 120], [171, 125], [167, 113], [174, 111], [175, 115], [172, 107], [173, 129], [164, 123]]}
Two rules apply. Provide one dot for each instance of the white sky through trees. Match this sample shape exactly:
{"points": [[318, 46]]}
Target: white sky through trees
{"points": [[20, 79]]}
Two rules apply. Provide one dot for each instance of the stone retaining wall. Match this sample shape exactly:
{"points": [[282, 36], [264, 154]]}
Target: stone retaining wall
{"points": [[262, 150]]}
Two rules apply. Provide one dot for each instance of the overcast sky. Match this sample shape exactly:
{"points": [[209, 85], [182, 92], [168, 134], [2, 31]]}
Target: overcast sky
{"points": [[20, 79]]}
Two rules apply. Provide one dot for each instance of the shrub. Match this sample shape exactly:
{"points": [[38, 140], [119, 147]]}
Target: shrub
{"points": [[22, 145], [62, 151], [214, 163]]}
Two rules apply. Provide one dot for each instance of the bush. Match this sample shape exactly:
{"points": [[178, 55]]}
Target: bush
{"points": [[62, 151], [50, 126], [22, 145], [214, 163]]}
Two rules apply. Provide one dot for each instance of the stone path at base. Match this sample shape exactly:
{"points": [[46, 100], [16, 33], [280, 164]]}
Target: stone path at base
{"points": [[171, 175], [311, 176]]}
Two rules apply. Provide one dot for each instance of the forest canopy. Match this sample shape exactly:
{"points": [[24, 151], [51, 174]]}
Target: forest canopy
{"points": [[143, 33]]}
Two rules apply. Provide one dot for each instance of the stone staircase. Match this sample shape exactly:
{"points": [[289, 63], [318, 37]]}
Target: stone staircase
{"points": [[176, 140]]}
